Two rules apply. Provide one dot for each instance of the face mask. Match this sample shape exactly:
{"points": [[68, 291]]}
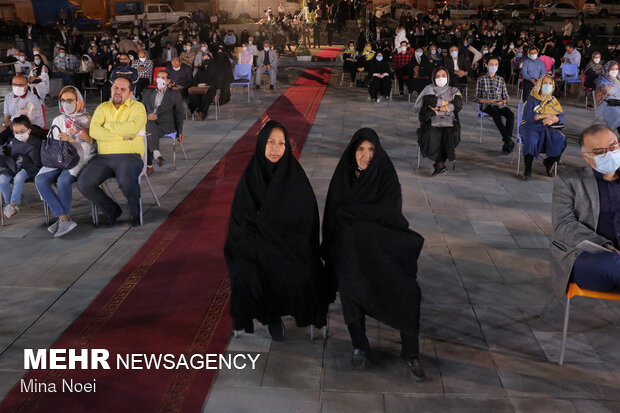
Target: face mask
{"points": [[244, 48], [493, 69], [613, 73], [519, 54], [19, 90], [37, 61], [441, 81], [67, 107], [187, 48], [61, 54], [204, 49], [546, 89], [22, 59], [512, 46], [351, 47], [22, 137], [379, 58], [433, 51], [454, 53], [485, 51], [419, 54], [35, 53], [608, 163], [597, 60], [534, 56], [176, 69], [266, 48], [250, 41], [438, 50], [161, 83], [465, 44]]}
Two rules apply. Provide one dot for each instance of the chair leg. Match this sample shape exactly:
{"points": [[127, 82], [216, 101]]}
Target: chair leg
{"points": [[555, 169], [248, 93], [481, 119], [519, 158], [1, 208], [146, 178], [174, 154], [236, 333], [141, 218], [564, 332], [107, 188], [418, 156], [311, 332], [183, 150], [324, 332], [94, 212], [46, 212]]}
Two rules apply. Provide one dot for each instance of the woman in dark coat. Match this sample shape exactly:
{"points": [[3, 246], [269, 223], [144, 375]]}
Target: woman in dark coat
{"points": [[272, 250], [440, 130], [379, 72], [369, 250]]}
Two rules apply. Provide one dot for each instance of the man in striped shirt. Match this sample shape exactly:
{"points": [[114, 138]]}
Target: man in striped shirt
{"points": [[492, 95]]}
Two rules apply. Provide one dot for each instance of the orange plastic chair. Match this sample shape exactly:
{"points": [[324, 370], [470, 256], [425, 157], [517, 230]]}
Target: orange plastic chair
{"points": [[575, 290]]}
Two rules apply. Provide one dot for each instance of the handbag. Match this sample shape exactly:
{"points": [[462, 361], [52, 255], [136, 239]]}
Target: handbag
{"points": [[196, 90], [613, 102], [442, 120], [58, 154]]}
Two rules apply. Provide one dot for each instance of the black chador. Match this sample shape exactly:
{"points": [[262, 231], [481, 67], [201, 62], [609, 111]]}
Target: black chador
{"points": [[272, 250]]}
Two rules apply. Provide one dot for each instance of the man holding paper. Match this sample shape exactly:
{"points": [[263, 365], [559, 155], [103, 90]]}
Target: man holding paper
{"points": [[586, 217]]}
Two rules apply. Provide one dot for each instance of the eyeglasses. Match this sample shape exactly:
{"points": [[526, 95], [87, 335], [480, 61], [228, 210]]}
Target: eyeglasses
{"points": [[70, 101], [602, 151]]}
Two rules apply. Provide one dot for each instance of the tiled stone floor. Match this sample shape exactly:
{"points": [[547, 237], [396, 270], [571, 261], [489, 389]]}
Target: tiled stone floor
{"points": [[483, 273]]}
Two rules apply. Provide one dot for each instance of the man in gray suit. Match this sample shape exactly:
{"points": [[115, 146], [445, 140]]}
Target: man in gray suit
{"points": [[267, 62], [164, 109], [586, 207]]}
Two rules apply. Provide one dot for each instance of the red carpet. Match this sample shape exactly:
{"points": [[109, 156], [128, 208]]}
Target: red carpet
{"points": [[327, 55], [172, 297]]}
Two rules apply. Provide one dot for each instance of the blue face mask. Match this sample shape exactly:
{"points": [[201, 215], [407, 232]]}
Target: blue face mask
{"points": [[454, 53], [419, 54], [438, 50], [493, 69], [608, 163], [519, 54], [546, 89], [379, 58]]}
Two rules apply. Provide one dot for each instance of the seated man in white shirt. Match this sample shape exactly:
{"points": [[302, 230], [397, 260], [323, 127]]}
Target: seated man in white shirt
{"points": [[22, 66], [20, 101]]}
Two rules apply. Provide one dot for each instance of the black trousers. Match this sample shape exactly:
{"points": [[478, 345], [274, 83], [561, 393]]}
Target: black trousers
{"points": [[399, 73], [126, 167], [497, 114], [357, 330], [528, 85], [202, 102], [379, 87], [350, 67]]}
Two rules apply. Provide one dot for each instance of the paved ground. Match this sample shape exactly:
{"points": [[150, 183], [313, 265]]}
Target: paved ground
{"points": [[483, 274]]}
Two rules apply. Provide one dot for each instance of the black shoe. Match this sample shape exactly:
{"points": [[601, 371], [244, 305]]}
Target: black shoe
{"points": [[270, 87], [358, 359], [160, 161], [414, 369], [527, 174], [548, 166], [508, 147], [439, 169], [134, 221], [257, 87], [402, 93], [110, 220], [277, 330]]}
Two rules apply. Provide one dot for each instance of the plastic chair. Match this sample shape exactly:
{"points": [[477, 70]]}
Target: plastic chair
{"points": [[570, 74], [173, 136], [242, 77], [481, 116], [573, 290], [586, 90], [155, 72], [99, 78]]}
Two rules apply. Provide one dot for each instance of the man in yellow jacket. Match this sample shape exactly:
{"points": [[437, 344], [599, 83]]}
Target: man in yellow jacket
{"points": [[118, 127]]}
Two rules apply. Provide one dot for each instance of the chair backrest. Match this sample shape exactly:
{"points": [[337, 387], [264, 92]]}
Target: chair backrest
{"points": [[156, 70], [519, 120], [481, 114], [243, 72], [100, 75], [569, 70]]}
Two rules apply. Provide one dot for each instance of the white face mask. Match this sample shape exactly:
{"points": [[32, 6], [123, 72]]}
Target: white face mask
{"points": [[37, 61], [19, 90], [613, 73], [266, 48], [534, 56], [403, 49], [203, 49], [597, 60], [22, 137], [250, 41], [35, 52], [161, 83], [244, 48], [22, 59], [441, 81], [176, 69], [142, 59]]}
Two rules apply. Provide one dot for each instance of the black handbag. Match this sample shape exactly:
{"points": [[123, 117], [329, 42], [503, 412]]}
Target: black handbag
{"points": [[613, 102], [58, 154]]}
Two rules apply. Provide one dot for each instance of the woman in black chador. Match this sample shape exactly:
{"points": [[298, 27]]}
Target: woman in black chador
{"points": [[272, 250], [370, 251]]}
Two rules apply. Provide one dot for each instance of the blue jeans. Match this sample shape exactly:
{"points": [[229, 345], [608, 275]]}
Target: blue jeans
{"points": [[15, 196], [60, 203], [597, 272]]}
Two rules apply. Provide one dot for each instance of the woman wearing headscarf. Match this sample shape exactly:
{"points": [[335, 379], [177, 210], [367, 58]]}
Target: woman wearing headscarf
{"points": [[608, 95], [272, 250], [542, 115], [593, 70], [223, 76], [440, 130], [71, 126], [39, 79], [379, 72], [349, 62], [369, 250]]}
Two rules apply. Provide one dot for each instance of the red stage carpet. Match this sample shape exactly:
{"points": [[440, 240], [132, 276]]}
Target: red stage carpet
{"points": [[172, 297], [327, 55]]}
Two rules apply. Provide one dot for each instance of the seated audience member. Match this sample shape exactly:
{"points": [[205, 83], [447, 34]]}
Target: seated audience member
{"points": [[368, 54], [65, 66], [586, 207], [20, 101], [168, 53], [21, 160], [38, 79], [84, 73], [180, 76], [572, 55], [22, 66], [165, 113], [144, 66], [123, 68], [533, 70], [434, 56], [188, 55], [199, 103], [71, 126], [542, 114], [349, 62], [364, 234], [380, 78], [420, 70], [245, 56], [457, 67], [229, 41], [440, 130], [118, 126], [492, 95], [608, 95], [267, 62], [400, 64], [593, 70]]}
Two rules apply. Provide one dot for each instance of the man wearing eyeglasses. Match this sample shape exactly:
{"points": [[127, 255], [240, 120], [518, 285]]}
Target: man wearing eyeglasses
{"points": [[586, 207]]}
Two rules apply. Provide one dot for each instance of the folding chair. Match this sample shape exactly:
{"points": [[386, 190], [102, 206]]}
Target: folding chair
{"points": [[481, 116], [99, 78], [173, 136], [142, 175], [242, 77], [570, 74], [573, 290]]}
